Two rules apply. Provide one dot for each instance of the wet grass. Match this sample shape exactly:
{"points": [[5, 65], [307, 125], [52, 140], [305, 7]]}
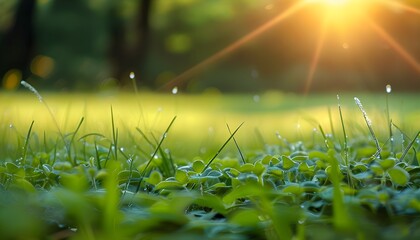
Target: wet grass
{"points": [[154, 166]]}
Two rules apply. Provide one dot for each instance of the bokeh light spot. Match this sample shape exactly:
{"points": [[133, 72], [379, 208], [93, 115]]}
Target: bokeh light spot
{"points": [[178, 43], [42, 66], [11, 79]]}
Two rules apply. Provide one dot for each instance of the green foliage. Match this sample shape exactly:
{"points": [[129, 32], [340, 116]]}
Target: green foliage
{"points": [[324, 189]]}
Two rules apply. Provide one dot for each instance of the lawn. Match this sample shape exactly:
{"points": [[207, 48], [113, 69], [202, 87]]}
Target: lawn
{"points": [[118, 165]]}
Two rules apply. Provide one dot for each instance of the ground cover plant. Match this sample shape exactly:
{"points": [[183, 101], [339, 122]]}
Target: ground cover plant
{"points": [[347, 176]]}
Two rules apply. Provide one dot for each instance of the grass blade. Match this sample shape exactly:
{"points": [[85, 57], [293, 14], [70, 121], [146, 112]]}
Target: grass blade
{"points": [[114, 135], [344, 131], [41, 99], [98, 160], [346, 147], [237, 146], [25, 147], [409, 146], [391, 137], [221, 148], [163, 137], [331, 121], [70, 143], [369, 125]]}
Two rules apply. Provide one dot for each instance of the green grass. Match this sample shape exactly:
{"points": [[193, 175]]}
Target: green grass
{"points": [[153, 166]]}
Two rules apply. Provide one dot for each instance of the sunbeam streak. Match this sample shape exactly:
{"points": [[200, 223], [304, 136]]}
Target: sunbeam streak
{"points": [[316, 56], [399, 5], [406, 56], [180, 79]]}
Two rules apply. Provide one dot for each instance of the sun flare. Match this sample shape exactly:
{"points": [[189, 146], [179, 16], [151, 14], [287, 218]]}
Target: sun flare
{"points": [[343, 14], [339, 19]]}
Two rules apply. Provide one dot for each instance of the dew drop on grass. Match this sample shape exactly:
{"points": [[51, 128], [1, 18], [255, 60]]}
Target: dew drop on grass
{"points": [[132, 75], [388, 88], [10, 125], [175, 90], [122, 149]]}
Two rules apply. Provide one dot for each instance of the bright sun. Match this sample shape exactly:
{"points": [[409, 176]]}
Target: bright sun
{"points": [[344, 13]]}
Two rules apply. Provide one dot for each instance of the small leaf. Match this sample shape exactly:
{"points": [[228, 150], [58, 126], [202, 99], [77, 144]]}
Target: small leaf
{"points": [[47, 169], [318, 154], [213, 174], [169, 185], [387, 163], [376, 169], [303, 155], [275, 171], [303, 167], [62, 166], [287, 162], [181, 176], [101, 174], [363, 175], [259, 168], [267, 160], [310, 186], [247, 167], [198, 166], [12, 168], [231, 172], [23, 184], [154, 178], [246, 217], [398, 176], [293, 188]]}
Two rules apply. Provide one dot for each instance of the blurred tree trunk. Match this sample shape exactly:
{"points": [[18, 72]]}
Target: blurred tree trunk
{"points": [[17, 44], [129, 55]]}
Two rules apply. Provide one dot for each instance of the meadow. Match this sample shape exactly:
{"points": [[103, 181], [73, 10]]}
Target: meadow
{"points": [[118, 165]]}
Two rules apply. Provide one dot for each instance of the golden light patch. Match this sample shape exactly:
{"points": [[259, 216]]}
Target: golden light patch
{"points": [[42, 66], [11, 79]]}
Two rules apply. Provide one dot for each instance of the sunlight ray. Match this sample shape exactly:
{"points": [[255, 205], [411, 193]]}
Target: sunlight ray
{"points": [[316, 56], [395, 46], [181, 78], [400, 5]]}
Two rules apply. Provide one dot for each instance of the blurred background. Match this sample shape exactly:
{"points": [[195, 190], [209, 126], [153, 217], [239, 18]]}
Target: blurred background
{"points": [[87, 45]]}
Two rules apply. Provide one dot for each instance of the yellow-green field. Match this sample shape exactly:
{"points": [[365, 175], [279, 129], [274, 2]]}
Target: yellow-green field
{"points": [[201, 121]]}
